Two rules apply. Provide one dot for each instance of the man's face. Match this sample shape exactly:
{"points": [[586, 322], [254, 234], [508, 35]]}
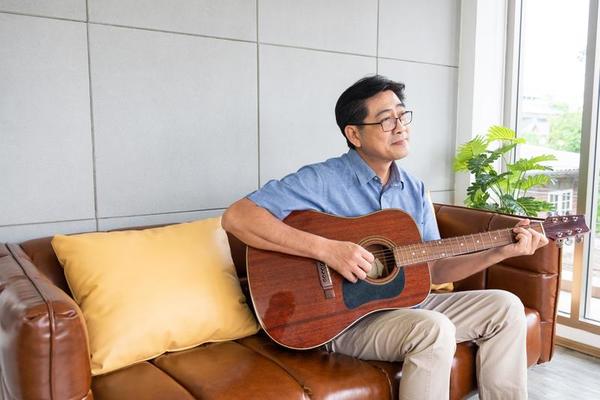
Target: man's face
{"points": [[376, 144]]}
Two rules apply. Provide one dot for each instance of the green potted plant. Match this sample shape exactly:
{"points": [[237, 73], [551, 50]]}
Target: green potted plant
{"points": [[502, 191]]}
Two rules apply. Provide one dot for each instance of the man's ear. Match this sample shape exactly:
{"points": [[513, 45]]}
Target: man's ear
{"points": [[353, 135]]}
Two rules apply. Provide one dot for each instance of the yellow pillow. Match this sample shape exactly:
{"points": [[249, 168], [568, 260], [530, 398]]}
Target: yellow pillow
{"points": [[143, 293], [442, 287]]}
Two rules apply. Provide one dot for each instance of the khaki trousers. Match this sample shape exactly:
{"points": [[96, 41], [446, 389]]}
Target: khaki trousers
{"points": [[425, 339]]}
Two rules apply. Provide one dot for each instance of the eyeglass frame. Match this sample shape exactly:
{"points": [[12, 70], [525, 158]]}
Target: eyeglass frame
{"points": [[397, 119]]}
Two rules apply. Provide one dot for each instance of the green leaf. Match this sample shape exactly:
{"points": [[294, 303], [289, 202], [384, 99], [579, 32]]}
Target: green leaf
{"points": [[497, 132], [504, 149], [532, 206], [533, 180], [467, 151], [532, 164], [479, 164], [511, 206]]}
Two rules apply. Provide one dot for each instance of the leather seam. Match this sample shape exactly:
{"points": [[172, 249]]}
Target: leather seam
{"points": [[179, 383], [50, 309], [305, 388]]}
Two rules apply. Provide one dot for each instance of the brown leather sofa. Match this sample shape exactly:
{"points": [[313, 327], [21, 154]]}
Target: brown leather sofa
{"points": [[44, 354]]}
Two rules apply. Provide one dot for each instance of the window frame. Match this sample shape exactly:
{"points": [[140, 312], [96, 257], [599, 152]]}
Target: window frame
{"points": [[589, 160]]}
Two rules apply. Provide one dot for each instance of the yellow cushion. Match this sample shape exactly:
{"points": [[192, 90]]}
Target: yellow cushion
{"points": [[143, 293], [442, 287]]}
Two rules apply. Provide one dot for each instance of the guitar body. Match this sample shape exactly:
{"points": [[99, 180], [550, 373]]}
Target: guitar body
{"points": [[302, 304]]}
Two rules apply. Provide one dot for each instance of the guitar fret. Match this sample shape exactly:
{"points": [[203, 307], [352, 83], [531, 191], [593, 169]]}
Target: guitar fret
{"points": [[455, 249], [436, 249], [480, 240]]}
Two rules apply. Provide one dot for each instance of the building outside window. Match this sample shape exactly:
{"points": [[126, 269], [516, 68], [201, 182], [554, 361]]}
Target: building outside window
{"points": [[561, 200]]}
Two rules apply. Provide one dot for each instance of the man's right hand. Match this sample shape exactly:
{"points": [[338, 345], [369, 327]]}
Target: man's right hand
{"points": [[350, 260], [258, 228]]}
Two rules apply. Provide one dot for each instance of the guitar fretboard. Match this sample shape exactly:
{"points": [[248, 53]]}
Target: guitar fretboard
{"points": [[438, 249]]}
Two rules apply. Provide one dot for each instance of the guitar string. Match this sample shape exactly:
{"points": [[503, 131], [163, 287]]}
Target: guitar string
{"points": [[446, 244], [447, 247], [447, 240], [391, 258]]}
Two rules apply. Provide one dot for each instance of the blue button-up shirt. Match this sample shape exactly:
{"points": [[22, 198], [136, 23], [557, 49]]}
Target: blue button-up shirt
{"points": [[346, 186]]}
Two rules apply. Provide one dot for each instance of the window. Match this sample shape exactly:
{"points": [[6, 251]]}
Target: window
{"points": [[556, 111]]}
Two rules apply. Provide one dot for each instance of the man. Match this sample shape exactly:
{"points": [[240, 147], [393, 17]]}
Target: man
{"points": [[372, 117]]}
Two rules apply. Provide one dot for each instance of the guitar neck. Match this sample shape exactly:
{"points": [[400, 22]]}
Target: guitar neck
{"points": [[444, 248]]}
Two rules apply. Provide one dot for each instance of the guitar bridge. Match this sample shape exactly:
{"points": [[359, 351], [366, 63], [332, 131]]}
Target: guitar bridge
{"points": [[325, 279]]}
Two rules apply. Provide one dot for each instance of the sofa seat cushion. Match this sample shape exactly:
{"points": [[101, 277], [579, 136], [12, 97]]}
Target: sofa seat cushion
{"points": [[322, 374], [143, 381], [229, 370], [250, 368]]}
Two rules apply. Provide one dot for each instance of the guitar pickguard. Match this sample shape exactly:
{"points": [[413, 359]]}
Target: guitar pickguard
{"points": [[363, 291]]}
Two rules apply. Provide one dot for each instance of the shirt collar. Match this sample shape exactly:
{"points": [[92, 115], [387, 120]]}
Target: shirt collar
{"points": [[365, 174]]}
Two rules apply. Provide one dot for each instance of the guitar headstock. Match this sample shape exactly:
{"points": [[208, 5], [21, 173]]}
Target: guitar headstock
{"points": [[562, 228]]}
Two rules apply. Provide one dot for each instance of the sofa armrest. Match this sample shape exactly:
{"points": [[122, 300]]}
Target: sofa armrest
{"points": [[43, 339], [534, 279]]}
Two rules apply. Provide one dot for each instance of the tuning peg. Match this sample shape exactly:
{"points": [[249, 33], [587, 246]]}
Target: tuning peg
{"points": [[559, 243], [578, 238], [569, 241]]}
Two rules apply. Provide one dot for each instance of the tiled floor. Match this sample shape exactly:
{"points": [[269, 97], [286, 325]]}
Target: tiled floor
{"points": [[569, 376]]}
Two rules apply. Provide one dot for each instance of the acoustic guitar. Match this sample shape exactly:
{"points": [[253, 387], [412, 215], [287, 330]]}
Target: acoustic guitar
{"points": [[301, 303]]}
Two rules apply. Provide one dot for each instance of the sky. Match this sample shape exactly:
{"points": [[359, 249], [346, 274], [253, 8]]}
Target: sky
{"points": [[554, 35]]}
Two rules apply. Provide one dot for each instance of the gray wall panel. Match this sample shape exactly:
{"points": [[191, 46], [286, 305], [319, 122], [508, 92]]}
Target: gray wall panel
{"points": [[298, 90], [20, 233], [175, 121], [430, 94], [223, 18], [45, 139], [105, 224], [173, 132], [425, 31], [339, 25], [445, 197], [71, 9]]}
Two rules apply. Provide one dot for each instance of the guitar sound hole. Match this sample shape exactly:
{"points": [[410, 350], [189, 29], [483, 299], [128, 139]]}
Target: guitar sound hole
{"points": [[384, 261]]}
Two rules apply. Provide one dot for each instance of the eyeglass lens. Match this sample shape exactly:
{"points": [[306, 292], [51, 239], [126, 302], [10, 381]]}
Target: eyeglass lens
{"points": [[389, 124]]}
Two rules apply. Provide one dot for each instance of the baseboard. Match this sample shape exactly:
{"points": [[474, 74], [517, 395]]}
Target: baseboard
{"points": [[580, 347]]}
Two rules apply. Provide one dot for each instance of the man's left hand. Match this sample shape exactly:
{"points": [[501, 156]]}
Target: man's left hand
{"points": [[528, 241]]}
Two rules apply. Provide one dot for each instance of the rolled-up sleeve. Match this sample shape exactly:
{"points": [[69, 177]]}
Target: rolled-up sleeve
{"points": [[298, 191], [430, 227]]}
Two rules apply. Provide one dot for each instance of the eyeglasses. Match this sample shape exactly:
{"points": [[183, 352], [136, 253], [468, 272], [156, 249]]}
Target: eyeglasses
{"points": [[389, 124]]}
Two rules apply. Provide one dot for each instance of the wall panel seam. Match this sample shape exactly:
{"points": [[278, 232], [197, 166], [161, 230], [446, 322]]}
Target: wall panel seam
{"points": [[419, 62], [170, 32], [92, 130], [41, 16]]}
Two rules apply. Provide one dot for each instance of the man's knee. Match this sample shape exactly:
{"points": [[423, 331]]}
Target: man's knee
{"points": [[509, 304], [437, 332]]}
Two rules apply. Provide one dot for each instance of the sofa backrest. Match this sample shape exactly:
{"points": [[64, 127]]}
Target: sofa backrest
{"points": [[535, 279]]}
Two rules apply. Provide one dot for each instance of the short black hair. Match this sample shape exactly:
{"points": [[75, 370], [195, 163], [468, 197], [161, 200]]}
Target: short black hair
{"points": [[351, 108]]}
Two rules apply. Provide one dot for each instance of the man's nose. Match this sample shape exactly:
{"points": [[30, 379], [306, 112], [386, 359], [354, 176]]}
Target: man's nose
{"points": [[400, 127]]}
